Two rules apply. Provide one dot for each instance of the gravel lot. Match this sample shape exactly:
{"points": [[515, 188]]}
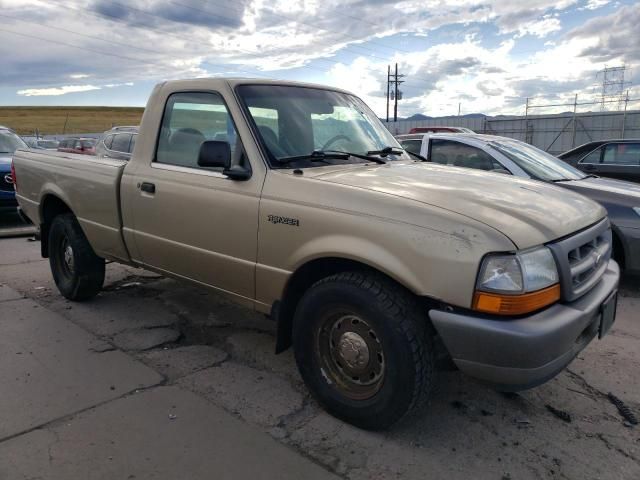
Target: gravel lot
{"points": [[200, 341]]}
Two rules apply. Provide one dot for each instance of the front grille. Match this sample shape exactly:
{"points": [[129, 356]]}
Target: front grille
{"points": [[582, 259], [6, 185]]}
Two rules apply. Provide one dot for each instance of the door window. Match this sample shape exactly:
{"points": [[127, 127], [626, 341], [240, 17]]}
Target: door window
{"points": [[190, 119], [459, 154], [121, 142], [593, 157], [622, 154]]}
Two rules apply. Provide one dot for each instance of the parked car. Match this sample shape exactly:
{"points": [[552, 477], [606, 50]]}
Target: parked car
{"points": [[607, 158], [506, 155], [117, 143], [9, 143], [441, 129], [370, 263], [40, 143], [83, 146]]}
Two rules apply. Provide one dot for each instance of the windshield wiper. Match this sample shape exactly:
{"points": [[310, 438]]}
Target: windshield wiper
{"points": [[320, 155], [419, 157], [386, 151], [315, 156]]}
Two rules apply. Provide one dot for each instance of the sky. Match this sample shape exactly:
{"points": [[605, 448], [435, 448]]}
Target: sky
{"points": [[476, 56]]}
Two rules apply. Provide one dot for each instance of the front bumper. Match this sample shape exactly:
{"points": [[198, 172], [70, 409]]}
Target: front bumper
{"points": [[630, 237], [525, 352]]}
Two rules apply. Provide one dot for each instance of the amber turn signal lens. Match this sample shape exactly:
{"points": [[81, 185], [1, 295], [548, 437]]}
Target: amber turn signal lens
{"points": [[501, 304]]}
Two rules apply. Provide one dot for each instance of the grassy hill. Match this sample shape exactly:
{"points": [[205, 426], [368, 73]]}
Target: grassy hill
{"points": [[56, 120]]}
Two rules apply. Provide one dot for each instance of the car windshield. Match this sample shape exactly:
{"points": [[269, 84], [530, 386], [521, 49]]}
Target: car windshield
{"points": [[535, 162], [296, 121], [10, 142]]}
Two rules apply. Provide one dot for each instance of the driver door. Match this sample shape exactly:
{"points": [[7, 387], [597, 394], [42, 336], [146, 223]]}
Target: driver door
{"points": [[191, 221]]}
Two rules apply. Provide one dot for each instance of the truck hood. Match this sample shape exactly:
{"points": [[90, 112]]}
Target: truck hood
{"points": [[529, 213]]}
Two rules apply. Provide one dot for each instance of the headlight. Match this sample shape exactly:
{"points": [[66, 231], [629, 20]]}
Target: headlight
{"points": [[637, 210], [519, 283]]}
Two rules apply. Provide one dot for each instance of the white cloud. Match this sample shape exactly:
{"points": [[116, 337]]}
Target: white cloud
{"points": [[593, 4], [55, 91], [78, 76], [541, 28], [114, 85]]}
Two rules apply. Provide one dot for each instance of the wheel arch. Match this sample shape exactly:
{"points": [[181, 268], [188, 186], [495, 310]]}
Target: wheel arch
{"points": [[303, 278], [50, 207]]}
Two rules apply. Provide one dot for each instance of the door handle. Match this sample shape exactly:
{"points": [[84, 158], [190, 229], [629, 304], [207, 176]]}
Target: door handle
{"points": [[148, 187]]}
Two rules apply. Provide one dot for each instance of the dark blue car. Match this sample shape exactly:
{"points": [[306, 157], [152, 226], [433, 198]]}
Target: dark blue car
{"points": [[9, 143]]}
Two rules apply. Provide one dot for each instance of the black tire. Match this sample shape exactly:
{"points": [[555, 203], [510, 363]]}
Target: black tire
{"points": [[394, 326], [81, 275]]}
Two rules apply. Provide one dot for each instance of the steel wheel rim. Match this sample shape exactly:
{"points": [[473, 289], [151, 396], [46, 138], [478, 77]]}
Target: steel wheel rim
{"points": [[351, 356], [67, 258]]}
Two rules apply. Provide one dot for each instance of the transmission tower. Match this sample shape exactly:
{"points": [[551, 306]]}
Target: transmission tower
{"points": [[613, 85]]}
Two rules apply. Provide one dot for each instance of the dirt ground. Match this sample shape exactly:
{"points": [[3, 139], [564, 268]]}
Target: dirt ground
{"points": [[201, 342], [56, 120]]}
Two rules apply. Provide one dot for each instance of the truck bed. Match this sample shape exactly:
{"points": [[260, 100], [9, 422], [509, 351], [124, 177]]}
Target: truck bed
{"points": [[88, 185]]}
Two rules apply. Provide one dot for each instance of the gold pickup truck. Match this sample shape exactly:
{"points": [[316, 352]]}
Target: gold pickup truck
{"points": [[296, 201]]}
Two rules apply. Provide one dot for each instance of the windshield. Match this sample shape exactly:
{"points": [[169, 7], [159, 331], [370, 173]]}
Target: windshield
{"points": [[535, 162], [295, 121], [10, 142]]}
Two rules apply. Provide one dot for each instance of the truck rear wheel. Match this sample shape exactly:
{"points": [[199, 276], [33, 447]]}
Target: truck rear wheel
{"points": [[77, 271], [363, 348]]}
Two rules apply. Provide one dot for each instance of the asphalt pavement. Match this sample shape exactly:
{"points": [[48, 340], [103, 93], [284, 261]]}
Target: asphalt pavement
{"points": [[158, 379]]}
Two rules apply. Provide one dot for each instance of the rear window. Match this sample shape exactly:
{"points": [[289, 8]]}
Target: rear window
{"points": [[87, 143], [10, 142]]}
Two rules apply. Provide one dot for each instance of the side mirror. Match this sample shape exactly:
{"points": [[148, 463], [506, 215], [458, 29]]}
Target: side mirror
{"points": [[215, 154]]}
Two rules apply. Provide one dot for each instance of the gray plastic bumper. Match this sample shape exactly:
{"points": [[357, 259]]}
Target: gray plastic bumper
{"points": [[521, 353]]}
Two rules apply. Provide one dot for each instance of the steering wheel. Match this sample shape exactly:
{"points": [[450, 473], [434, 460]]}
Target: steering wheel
{"points": [[333, 140]]}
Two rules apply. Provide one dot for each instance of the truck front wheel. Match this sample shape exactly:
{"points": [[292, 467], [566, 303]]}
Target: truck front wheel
{"points": [[77, 271], [363, 348]]}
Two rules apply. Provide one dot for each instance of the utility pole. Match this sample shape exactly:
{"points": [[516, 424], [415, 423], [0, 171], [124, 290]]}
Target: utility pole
{"points": [[396, 94], [575, 110], [459, 103], [624, 114], [388, 87]]}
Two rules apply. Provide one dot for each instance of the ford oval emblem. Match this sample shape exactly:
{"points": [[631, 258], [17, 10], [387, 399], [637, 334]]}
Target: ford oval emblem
{"points": [[8, 178]]}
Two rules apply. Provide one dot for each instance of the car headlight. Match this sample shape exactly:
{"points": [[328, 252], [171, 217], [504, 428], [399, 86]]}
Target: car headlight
{"points": [[637, 210], [514, 284]]}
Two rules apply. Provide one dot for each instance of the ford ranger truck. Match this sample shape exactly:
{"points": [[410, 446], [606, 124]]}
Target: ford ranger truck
{"points": [[294, 200]]}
